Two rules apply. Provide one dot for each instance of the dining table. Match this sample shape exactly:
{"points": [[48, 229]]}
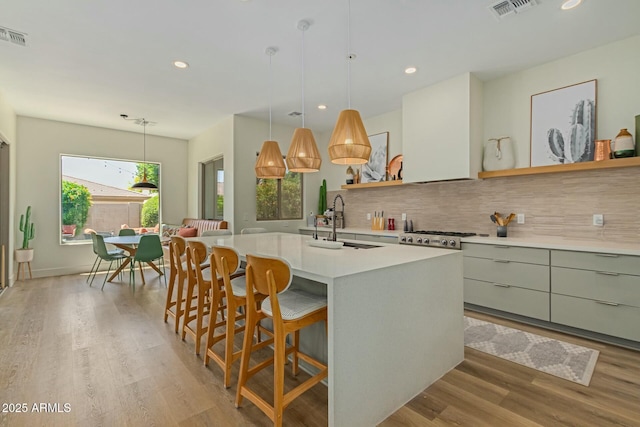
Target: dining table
{"points": [[395, 317], [129, 244]]}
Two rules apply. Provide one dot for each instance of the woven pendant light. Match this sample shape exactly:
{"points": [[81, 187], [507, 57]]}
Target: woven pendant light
{"points": [[349, 143], [303, 155], [270, 164]]}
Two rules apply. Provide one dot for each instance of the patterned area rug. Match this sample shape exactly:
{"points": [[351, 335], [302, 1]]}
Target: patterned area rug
{"points": [[568, 361]]}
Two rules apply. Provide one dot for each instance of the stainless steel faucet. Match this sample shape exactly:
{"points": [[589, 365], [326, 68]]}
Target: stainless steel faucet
{"points": [[335, 217]]}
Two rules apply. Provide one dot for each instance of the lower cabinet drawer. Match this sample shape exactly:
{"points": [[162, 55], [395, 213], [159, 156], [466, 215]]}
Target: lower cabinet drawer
{"points": [[522, 275], [525, 302], [619, 321], [626, 264], [597, 285]]}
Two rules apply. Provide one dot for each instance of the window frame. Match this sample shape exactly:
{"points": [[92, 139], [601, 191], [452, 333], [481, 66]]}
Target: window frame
{"points": [[279, 195], [61, 173]]}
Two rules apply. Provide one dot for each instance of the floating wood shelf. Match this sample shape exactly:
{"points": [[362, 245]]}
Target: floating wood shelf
{"points": [[372, 184], [583, 166]]}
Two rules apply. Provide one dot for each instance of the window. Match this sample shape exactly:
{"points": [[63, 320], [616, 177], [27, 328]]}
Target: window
{"points": [[212, 198], [96, 195], [279, 198]]}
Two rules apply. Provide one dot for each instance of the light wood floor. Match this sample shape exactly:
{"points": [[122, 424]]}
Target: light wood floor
{"points": [[115, 362]]}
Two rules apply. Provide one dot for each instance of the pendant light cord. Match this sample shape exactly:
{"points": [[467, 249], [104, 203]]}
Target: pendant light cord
{"points": [[349, 54], [302, 78], [270, 94], [144, 140]]}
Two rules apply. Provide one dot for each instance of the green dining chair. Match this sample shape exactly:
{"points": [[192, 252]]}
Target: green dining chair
{"points": [[127, 232], [104, 255], [149, 250], [96, 262]]}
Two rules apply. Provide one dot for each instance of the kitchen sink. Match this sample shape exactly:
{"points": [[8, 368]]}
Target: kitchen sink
{"points": [[359, 245]]}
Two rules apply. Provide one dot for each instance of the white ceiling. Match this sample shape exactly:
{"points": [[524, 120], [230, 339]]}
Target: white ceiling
{"points": [[89, 61]]}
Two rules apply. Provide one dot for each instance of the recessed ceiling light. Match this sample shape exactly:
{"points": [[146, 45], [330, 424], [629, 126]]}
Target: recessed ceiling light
{"points": [[322, 107], [570, 4], [180, 64], [410, 70]]}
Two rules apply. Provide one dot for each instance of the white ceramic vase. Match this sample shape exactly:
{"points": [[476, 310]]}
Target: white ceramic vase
{"points": [[498, 154]]}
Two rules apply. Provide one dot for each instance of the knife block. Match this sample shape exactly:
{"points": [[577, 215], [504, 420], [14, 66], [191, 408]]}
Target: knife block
{"points": [[377, 223]]}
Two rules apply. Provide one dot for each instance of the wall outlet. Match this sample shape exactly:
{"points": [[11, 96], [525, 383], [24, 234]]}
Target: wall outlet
{"points": [[520, 218], [404, 217], [285, 224], [598, 220], [245, 216], [369, 216]]}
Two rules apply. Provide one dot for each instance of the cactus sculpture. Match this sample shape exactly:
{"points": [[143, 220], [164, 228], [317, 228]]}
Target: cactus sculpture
{"points": [[27, 227], [322, 201], [578, 146]]}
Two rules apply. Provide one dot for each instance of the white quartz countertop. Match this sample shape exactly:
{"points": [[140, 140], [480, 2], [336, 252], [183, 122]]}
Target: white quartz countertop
{"points": [[355, 230], [560, 244], [322, 264]]}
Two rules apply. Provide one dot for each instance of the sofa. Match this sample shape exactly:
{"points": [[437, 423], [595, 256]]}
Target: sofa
{"points": [[192, 227]]}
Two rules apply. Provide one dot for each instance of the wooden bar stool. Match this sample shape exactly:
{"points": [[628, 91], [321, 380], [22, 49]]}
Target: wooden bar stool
{"points": [[290, 310], [177, 271], [197, 304], [234, 292]]}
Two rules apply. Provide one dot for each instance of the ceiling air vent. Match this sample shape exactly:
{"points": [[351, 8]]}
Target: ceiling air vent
{"points": [[505, 8], [13, 36]]}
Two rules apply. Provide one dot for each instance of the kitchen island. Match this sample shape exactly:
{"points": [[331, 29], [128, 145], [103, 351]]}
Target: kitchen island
{"points": [[395, 318]]}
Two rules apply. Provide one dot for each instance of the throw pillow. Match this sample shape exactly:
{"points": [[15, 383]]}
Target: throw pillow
{"points": [[188, 232]]}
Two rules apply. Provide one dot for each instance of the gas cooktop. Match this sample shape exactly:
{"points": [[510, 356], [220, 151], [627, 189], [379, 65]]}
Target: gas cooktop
{"points": [[444, 233], [432, 238]]}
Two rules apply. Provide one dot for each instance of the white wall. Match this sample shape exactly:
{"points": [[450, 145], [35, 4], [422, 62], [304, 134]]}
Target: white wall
{"points": [[38, 181], [215, 142], [615, 66]]}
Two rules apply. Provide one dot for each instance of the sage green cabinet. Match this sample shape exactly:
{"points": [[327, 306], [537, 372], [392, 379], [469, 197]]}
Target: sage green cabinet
{"points": [[598, 292], [511, 279]]}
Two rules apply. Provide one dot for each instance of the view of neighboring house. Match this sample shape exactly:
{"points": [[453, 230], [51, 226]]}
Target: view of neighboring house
{"points": [[111, 207]]}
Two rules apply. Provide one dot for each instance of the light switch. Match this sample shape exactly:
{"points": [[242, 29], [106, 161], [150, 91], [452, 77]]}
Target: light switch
{"points": [[598, 220]]}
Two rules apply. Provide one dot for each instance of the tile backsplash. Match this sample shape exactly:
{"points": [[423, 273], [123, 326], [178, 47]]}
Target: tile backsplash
{"points": [[559, 205]]}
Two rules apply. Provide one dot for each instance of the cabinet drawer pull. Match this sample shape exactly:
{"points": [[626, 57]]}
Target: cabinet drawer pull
{"points": [[501, 260], [500, 285], [501, 247], [608, 273], [613, 304], [608, 255]]}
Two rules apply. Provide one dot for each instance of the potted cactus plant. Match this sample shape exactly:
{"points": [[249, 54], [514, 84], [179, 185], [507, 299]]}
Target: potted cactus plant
{"points": [[25, 253]]}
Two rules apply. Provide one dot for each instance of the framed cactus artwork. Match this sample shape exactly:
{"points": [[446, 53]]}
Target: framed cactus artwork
{"points": [[563, 125]]}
